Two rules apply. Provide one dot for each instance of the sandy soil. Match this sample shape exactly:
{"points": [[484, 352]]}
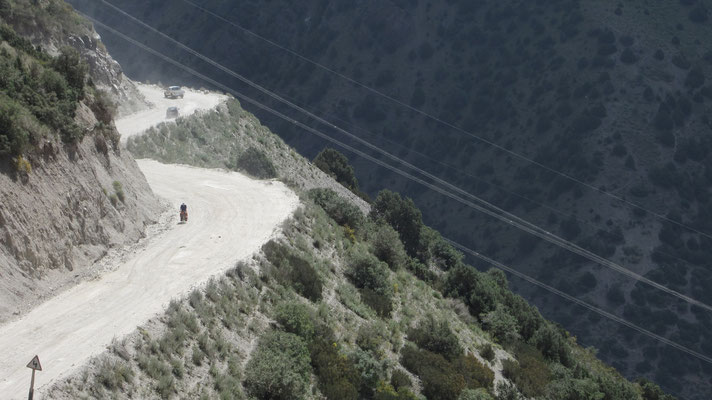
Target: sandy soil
{"points": [[231, 216], [193, 101]]}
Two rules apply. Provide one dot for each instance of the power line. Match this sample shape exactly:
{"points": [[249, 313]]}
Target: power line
{"points": [[450, 125], [582, 303], [405, 174], [473, 202]]}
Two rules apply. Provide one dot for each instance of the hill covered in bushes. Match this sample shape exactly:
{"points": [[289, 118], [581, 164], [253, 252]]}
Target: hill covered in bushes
{"points": [[351, 302]]}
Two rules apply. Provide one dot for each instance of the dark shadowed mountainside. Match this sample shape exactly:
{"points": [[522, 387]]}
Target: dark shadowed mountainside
{"points": [[587, 118]]}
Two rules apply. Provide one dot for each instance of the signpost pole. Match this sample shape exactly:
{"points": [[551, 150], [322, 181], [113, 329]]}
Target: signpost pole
{"points": [[34, 365], [32, 386]]}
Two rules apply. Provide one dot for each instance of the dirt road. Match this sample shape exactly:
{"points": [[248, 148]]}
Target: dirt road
{"points": [[193, 101], [230, 217]]}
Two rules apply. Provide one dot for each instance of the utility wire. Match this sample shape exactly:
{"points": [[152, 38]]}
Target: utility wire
{"points": [[448, 124], [582, 303], [396, 170], [473, 202]]}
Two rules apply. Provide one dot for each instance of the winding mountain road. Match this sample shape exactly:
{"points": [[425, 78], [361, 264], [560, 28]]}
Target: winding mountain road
{"points": [[230, 217]]}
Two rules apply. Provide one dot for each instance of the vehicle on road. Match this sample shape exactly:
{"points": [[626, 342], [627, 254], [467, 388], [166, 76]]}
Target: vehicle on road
{"points": [[172, 112], [183, 213], [174, 92]]}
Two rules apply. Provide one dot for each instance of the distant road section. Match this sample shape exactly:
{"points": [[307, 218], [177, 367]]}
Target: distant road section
{"points": [[230, 217], [193, 101]]}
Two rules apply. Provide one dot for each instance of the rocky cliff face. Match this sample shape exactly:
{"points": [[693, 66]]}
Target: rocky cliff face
{"points": [[53, 25], [63, 205]]}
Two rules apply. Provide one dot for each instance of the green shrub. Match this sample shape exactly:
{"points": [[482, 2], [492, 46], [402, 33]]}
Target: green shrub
{"points": [[439, 378], [481, 292], [400, 379], [337, 166], [402, 215], [387, 246], [292, 270], [338, 378], [475, 394], [296, 318], [476, 374], [279, 367], [255, 163], [421, 271], [366, 271], [339, 209], [371, 276], [382, 304], [14, 137], [487, 352], [112, 375], [370, 337], [119, 191], [70, 64], [552, 344], [501, 324], [530, 372], [385, 391], [441, 252], [436, 336], [371, 370], [507, 391]]}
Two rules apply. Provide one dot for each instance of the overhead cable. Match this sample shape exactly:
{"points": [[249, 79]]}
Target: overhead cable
{"points": [[482, 205], [388, 166], [450, 125]]}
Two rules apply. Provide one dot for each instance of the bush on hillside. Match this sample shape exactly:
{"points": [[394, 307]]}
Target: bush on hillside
{"points": [[385, 391], [552, 344], [255, 163], [421, 271], [440, 253], [436, 336], [501, 324], [402, 215], [69, 63], [476, 374], [439, 378], [339, 209], [371, 276], [475, 394], [381, 303], [337, 377], [37, 90], [366, 271], [279, 368], [530, 373], [337, 166], [296, 318], [292, 270], [400, 379], [387, 246]]}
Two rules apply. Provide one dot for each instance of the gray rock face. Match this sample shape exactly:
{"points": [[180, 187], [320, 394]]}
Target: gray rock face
{"points": [[65, 206]]}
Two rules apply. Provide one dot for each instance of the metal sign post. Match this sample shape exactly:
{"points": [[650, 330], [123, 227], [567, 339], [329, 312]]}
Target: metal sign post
{"points": [[35, 366]]}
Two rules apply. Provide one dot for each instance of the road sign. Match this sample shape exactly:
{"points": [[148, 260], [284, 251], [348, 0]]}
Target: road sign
{"points": [[35, 364]]}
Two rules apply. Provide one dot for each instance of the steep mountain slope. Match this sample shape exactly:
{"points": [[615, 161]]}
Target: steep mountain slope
{"points": [[616, 95], [68, 193], [342, 305]]}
